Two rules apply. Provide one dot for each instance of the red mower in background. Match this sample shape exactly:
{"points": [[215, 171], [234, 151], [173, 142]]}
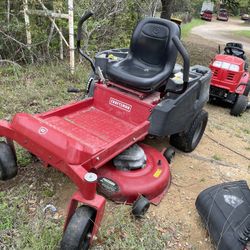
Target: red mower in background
{"points": [[97, 142], [230, 82], [207, 15], [222, 15]]}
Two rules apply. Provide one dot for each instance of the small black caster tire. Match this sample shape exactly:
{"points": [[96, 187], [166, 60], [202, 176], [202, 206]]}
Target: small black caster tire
{"points": [[78, 232], [8, 166], [140, 207], [169, 154]]}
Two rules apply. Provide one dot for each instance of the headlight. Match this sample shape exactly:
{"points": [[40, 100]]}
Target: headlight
{"points": [[217, 64], [234, 67]]}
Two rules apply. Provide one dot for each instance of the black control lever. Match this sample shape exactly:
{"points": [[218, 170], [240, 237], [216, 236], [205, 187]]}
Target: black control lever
{"points": [[86, 16]]}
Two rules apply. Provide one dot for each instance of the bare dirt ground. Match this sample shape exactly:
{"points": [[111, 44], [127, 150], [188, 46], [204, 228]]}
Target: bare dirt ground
{"points": [[223, 32]]}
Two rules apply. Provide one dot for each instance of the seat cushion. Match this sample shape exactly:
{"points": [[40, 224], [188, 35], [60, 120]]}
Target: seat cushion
{"points": [[134, 74], [151, 57]]}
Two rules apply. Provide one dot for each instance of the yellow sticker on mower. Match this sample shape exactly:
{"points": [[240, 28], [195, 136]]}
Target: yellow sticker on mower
{"points": [[157, 173]]}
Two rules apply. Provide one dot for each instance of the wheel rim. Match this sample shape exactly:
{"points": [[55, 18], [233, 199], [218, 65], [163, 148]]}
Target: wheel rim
{"points": [[197, 134]]}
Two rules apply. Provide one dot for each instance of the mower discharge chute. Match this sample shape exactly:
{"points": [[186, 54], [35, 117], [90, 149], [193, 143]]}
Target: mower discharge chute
{"points": [[230, 82], [97, 142]]}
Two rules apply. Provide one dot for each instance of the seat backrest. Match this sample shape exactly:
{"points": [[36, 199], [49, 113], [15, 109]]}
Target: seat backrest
{"points": [[233, 44], [152, 43]]}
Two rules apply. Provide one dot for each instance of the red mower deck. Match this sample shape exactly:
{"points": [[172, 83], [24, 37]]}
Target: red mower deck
{"points": [[152, 181]]}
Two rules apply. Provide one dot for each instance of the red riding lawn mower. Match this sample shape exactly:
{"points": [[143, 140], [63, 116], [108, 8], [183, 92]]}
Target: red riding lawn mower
{"points": [[230, 82], [207, 15], [97, 142]]}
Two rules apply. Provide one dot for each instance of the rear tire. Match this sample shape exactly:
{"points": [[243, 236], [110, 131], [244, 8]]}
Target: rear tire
{"points": [[8, 166], [239, 106], [78, 232], [189, 140], [91, 84]]}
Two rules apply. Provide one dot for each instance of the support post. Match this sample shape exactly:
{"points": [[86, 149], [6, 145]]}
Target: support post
{"points": [[8, 12], [27, 24], [71, 36], [61, 45]]}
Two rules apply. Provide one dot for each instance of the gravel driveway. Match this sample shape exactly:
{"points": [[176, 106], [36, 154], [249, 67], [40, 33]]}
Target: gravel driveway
{"points": [[223, 32]]}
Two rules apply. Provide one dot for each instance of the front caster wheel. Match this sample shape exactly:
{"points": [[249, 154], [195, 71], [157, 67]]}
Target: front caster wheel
{"points": [[140, 206], [78, 232], [8, 166], [169, 154]]}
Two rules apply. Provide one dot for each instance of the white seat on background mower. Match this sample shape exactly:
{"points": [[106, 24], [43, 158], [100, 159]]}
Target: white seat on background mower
{"points": [[151, 57]]}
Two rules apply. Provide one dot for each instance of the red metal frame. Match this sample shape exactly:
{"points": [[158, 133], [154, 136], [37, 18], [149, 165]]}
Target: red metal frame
{"points": [[81, 137], [227, 79]]}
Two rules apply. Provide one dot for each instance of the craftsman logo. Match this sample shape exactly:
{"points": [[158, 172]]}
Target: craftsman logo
{"points": [[120, 105], [43, 131]]}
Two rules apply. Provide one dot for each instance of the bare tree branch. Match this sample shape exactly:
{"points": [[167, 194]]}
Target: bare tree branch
{"points": [[11, 62]]}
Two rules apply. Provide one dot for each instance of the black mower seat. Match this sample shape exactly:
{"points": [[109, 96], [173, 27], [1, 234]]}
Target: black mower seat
{"points": [[235, 49], [151, 57]]}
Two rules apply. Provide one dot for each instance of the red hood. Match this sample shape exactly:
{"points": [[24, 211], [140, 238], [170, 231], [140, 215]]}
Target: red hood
{"points": [[225, 78], [230, 59]]}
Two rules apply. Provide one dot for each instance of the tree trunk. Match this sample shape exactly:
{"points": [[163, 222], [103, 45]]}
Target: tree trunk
{"points": [[71, 36], [166, 9], [27, 27], [8, 13]]}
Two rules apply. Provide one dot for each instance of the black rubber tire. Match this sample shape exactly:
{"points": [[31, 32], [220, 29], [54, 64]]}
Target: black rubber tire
{"points": [[189, 140], [90, 84], [140, 206], [239, 106], [76, 235], [169, 154], [247, 89], [8, 166]]}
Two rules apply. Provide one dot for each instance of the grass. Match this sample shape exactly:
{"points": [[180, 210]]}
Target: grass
{"points": [[24, 225], [242, 33], [186, 28], [35, 89], [120, 230], [32, 89], [216, 157]]}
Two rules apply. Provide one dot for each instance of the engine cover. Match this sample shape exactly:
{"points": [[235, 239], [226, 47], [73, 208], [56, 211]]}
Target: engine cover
{"points": [[130, 159]]}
